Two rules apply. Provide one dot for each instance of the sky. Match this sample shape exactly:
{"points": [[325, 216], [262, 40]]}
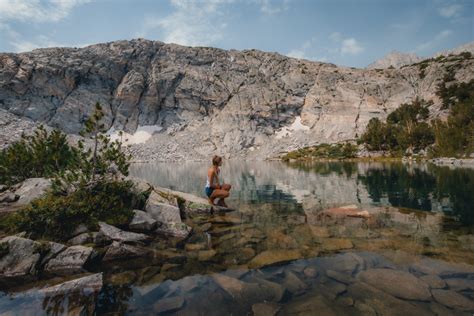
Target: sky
{"points": [[345, 32]]}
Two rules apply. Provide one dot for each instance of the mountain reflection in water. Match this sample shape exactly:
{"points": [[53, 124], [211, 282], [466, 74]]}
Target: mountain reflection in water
{"points": [[297, 186]]}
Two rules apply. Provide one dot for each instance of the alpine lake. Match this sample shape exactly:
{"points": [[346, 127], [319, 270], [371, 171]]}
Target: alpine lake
{"points": [[280, 252]]}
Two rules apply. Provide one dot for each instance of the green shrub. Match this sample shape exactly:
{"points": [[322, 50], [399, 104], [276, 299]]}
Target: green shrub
{"points": [[331, 151], [56, 216], [42, 154]]}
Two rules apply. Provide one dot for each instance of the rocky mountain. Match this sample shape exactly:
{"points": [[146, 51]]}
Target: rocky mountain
{"points": [[192, 102], [395, 59], [398, 59]]}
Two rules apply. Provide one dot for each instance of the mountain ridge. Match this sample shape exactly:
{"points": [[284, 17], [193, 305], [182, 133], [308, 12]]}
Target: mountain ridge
{"points": [[202, 101]]}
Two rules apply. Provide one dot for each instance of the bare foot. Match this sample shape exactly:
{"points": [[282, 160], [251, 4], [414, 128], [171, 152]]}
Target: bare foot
{"points": [[222, 203]]}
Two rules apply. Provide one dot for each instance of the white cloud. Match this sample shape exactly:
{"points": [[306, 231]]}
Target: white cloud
{"points": [[36, 10], [192, 23], [433, 42], [450, 10], [33, 11], [351, 46], [347, 45], [270, 7], [304, 52]]}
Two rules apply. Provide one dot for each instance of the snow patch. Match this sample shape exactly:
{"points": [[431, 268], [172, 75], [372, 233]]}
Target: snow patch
{"points": [[141, 135], [286, 131]]}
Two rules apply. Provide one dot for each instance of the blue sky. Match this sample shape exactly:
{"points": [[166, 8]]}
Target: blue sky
{"points": [[344, 32]]}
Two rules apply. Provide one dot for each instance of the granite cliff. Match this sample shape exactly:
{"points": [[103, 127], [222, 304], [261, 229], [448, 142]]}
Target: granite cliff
{"points": [[197, 101]]}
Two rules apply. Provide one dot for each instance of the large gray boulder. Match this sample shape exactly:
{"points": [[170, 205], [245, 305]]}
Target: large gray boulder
{"points": [[18, 259], [113, 233], [70, 261], [142, 222], [397, 283], [31, 189], [167, 216]]}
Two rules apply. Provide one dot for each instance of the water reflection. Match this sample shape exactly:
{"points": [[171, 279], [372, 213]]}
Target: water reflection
{"points": [[309, 186]]}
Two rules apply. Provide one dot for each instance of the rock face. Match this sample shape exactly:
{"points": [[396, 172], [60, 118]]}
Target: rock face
{"points": [[199, 101], [395, 59]]}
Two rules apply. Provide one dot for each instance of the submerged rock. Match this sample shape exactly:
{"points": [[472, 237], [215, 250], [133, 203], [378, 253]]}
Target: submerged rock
{"points": [[70, 261], [453, 300], [265, 309], [87, 284], [434, 281], [167, 305], [121, 251], [142, 222], [271, 257], [334, 244], [397, 283], [18, 259], [114, 233]]}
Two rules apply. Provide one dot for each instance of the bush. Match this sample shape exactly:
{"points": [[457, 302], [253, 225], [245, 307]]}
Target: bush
{"points": [[42, 154], [56, 216], [405, 129], [88, 185], [331, 151]]}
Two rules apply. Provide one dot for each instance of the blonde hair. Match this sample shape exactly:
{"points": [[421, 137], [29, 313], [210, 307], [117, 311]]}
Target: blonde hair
{"points": [[216, 160]]}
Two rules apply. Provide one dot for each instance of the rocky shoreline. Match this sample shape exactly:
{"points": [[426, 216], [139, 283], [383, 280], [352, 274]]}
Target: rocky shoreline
{"points": [[24, 260]]}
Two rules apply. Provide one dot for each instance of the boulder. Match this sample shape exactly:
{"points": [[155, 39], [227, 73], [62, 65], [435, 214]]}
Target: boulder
{"points": [[31, 189], [272, 257], [458, 284], [18, 259], [113, 233], [120, 251], [54, 250], [453, 300], [70, 261], [397, 283], [81, 239], [167, 216], [8, 197], [91, 283], [142, 222]]}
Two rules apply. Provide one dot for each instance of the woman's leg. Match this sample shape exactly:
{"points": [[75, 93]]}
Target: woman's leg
{"points": [[226, 187], [219, 194]]}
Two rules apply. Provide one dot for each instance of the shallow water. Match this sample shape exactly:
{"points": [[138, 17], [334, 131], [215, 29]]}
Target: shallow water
{"points": [[421, 225]]}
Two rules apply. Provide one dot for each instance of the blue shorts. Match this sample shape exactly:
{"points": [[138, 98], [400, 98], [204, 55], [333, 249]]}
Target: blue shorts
{"points": [[209, 191]]}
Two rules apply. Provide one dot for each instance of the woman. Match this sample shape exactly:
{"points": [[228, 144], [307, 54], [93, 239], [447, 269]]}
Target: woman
{"points": [[213, 188]]}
